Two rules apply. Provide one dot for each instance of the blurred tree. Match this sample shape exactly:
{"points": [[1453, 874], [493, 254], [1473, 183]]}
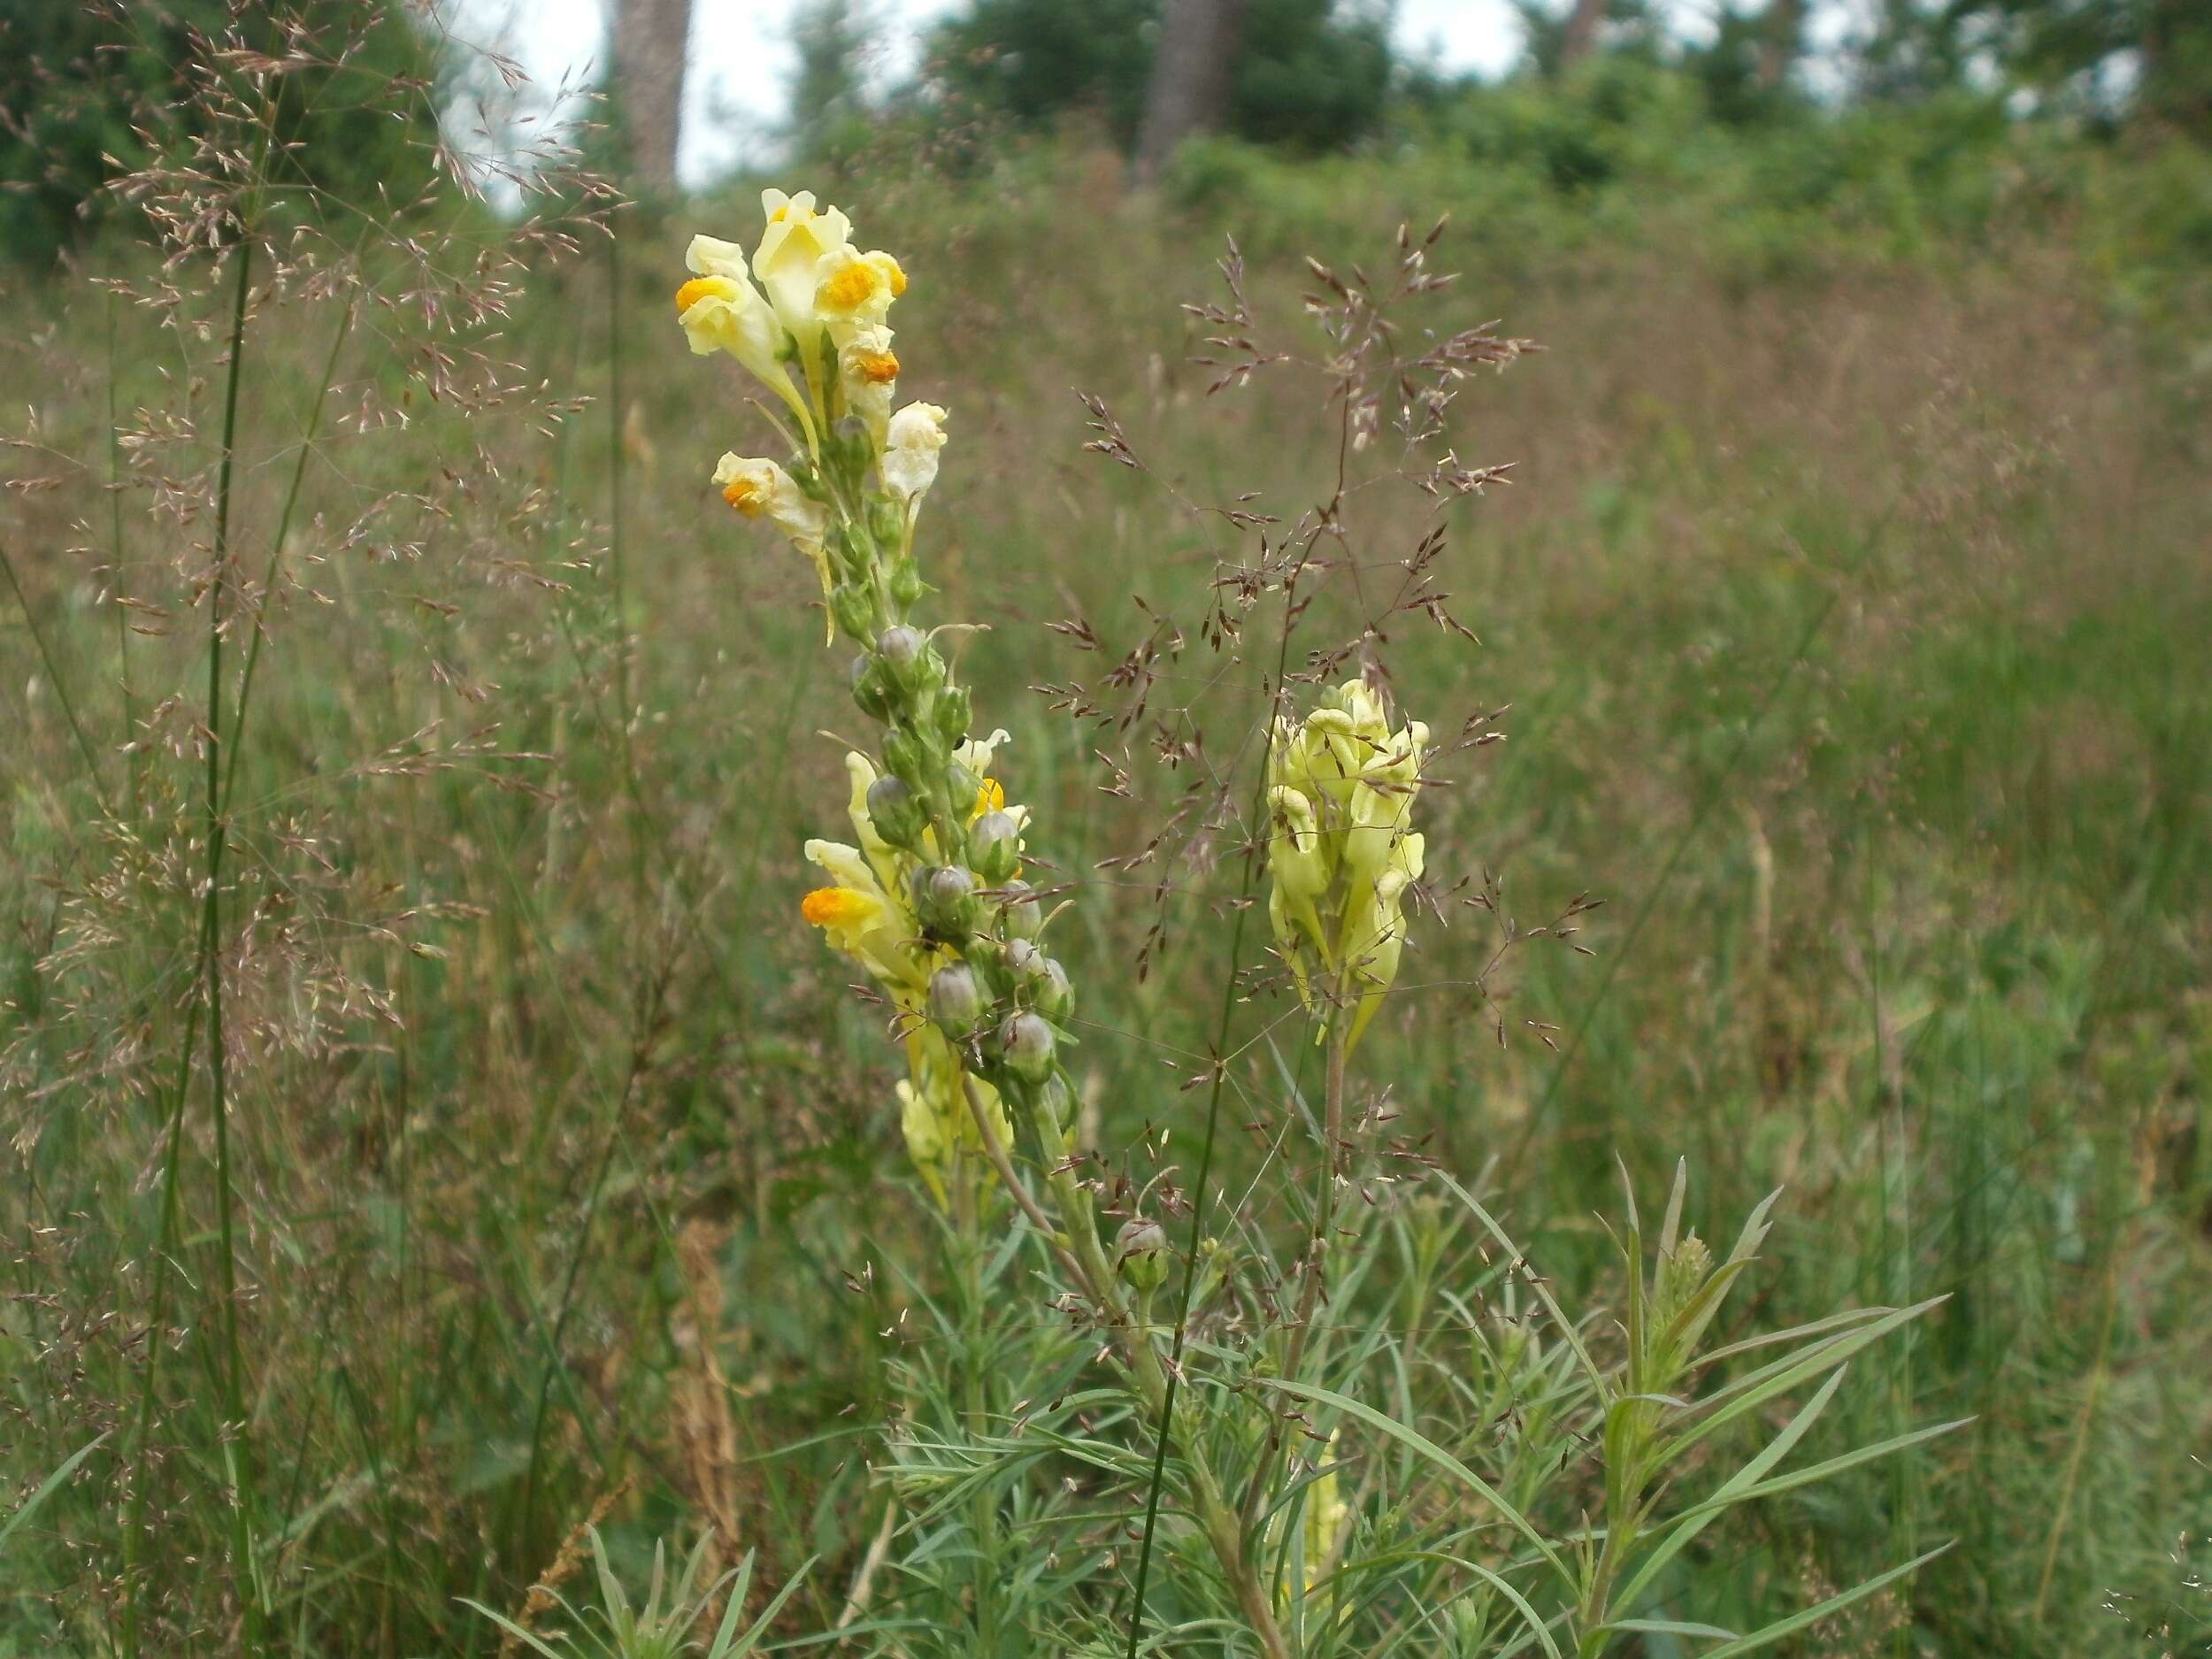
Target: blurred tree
{"points": [[91, 90], [1578, 36], [1192, 69], [1308, 74], [829, 110], [650, 45]]}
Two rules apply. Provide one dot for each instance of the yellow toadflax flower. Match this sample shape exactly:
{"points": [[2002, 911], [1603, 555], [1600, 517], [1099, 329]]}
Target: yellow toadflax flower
{"points": [[909, 452], [868, 373], [720, 311], [853, 289], [1341, 848], [759, 488], [792, 244]]}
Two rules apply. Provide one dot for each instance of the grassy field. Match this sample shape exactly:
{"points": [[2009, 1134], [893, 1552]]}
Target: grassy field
{"points": [[1849, 624]]}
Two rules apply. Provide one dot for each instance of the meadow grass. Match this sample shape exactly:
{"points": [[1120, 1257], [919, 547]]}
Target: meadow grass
{"points": [[1848, 633]]}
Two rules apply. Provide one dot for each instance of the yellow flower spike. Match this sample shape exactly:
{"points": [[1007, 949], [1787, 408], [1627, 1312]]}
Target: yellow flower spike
{"points": [[1342, 848]]}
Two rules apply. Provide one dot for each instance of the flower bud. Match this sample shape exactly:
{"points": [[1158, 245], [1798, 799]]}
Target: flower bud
{"points": [[903, 652], [1028, 1045], [963, 785], [868, 689], [1049, 989], [853, 610], [887, 524], [904, 754], [956, 709], [944, 898], [955, 1002], [995, 846], [1023, 958], [906, 582], [1141, 1254], [896, 811], [1019, 915]]}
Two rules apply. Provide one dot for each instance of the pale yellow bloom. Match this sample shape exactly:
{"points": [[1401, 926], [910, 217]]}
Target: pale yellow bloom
{"points": [[720, 311], [792, 244], [853, 289], [759, 488], [867, 373], [910, 450]]}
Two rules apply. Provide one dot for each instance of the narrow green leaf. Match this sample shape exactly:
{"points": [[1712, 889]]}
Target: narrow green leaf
{"points": [[1417, 1443], [1812, 1616]]}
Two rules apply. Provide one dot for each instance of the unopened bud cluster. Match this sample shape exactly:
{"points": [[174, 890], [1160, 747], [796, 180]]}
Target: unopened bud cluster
{"points": [[928, 899]]}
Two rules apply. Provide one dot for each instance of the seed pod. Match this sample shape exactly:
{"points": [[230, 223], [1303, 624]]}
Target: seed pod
{"points": [[1140, 1249], [1028, 1045], [995, 847], [955, 1002]]}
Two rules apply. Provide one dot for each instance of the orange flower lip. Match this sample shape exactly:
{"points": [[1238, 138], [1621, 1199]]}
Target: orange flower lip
{"points": [[698, 289], [826, 906]]}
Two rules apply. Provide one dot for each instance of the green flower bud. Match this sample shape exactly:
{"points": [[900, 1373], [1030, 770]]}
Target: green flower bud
{"points": [[896, 812], [995, 847], [887, 524], [903, 651], [869, 690], [944, 899], [853, 609], [956, 1002], [1027, 1043], [905, 755], [964, 786], [1141, 1252], [1049, 988], [1019, 915], [906, 582], [1681, 1276], [955, 710]]}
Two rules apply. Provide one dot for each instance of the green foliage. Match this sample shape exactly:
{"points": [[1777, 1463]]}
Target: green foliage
{"points": [[92, 91], [1312, 75]]}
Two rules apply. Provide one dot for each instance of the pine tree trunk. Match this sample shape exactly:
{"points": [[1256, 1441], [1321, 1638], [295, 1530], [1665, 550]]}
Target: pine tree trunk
{"points": [[1783, 22], [1579, 38], [650, 43], [1191, 78]]}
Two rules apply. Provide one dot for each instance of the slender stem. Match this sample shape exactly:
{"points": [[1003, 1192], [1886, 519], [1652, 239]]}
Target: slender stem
{"points": [[211, 970], [115, 564], [54, 679], [1080, 1250], [1317, 1252], [985, 1517], [1155, 1387]]}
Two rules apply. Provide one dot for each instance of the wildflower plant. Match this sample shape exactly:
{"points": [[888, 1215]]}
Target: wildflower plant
{"points": [[1348, 1429]]}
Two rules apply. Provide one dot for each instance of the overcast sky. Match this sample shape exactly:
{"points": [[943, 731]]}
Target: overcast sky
{"points": [[743, 58]]}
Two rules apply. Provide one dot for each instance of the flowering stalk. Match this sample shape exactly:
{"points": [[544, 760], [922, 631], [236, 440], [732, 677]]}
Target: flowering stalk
{"points": [[928, 899]]}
